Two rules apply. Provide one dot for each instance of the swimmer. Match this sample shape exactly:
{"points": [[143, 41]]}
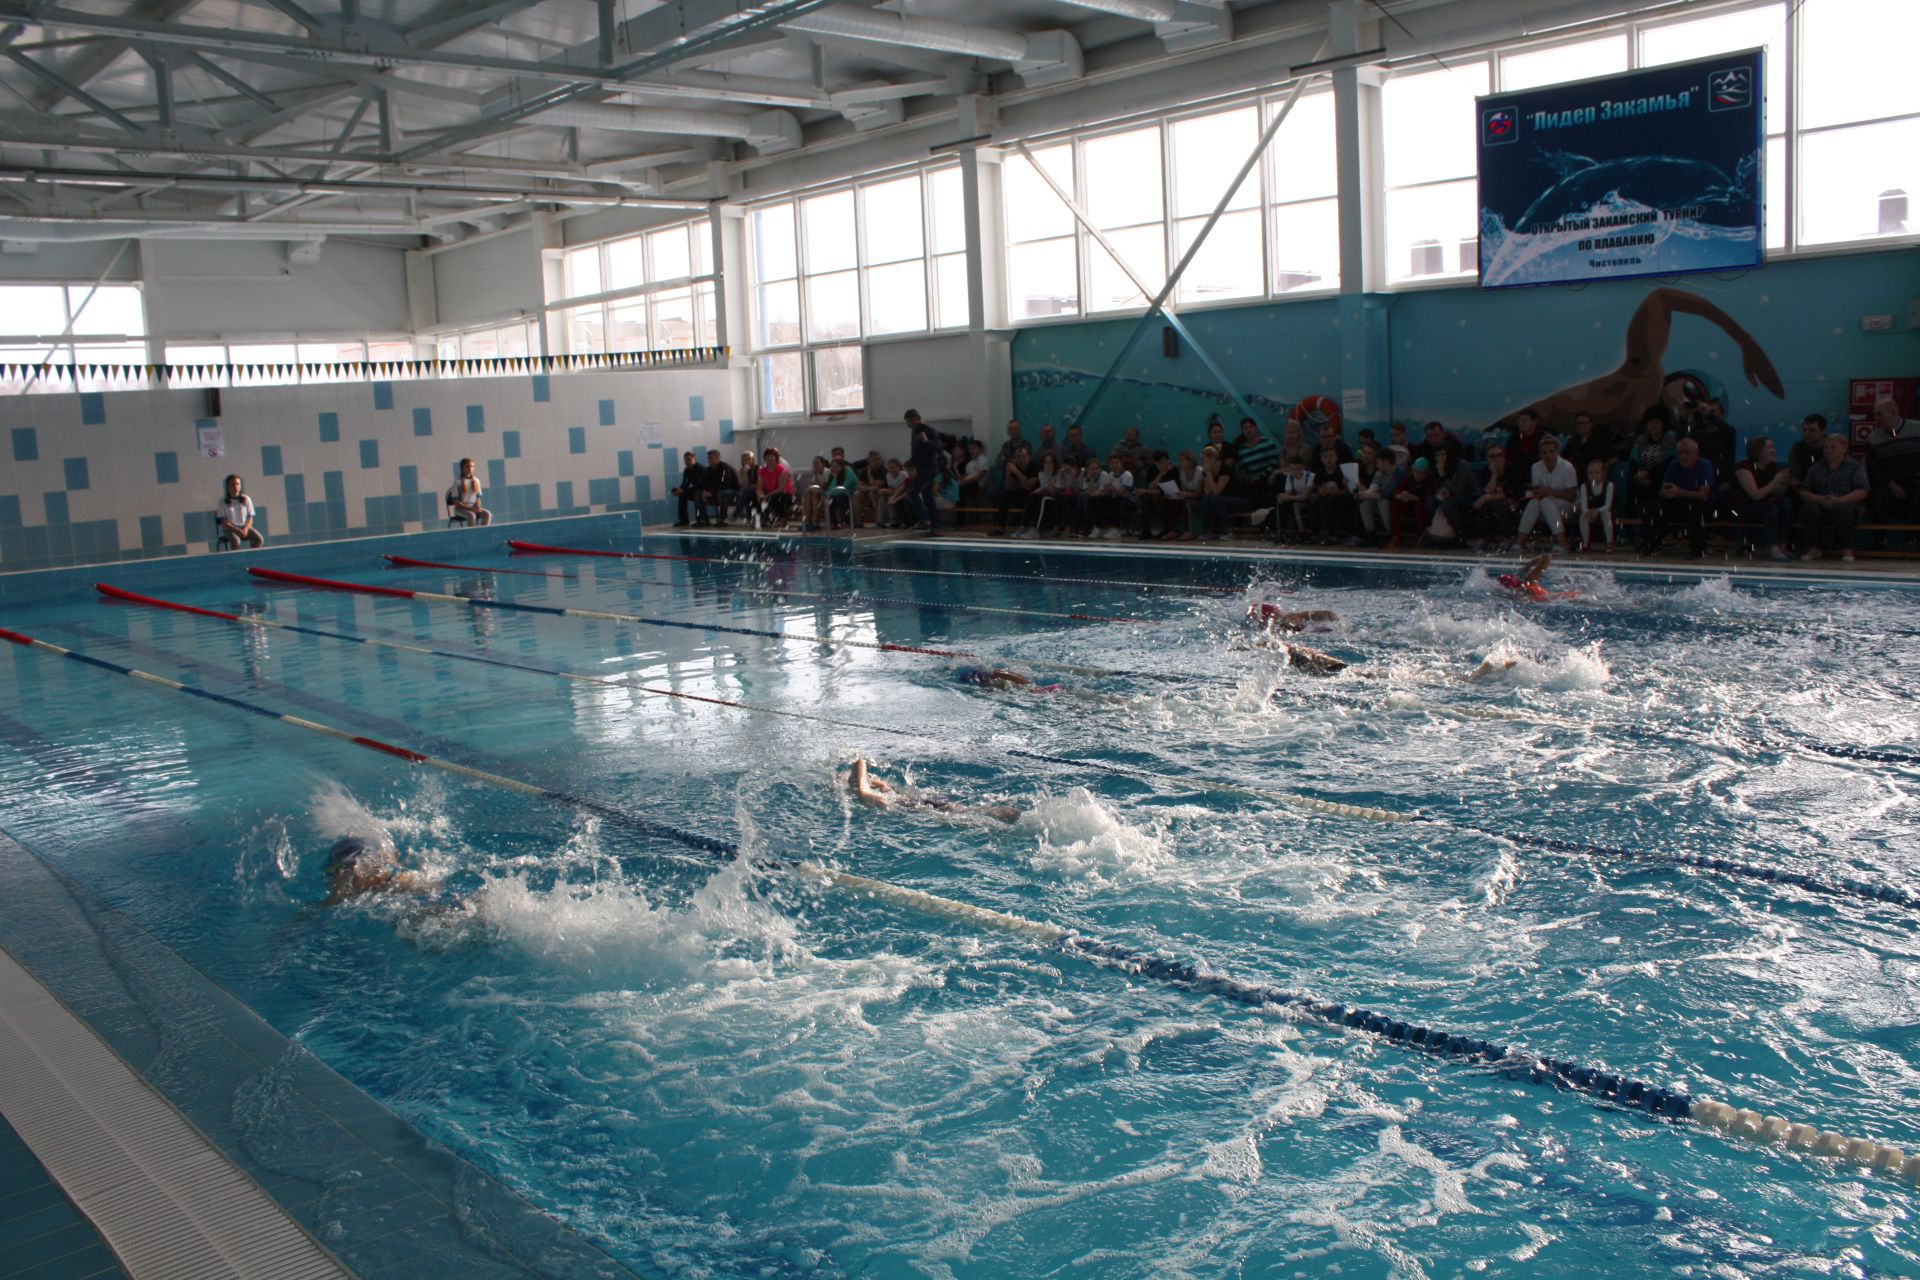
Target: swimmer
{"points": [[1002, 678], [876, 792], [1312, 661], [1489, 667], [1271, 617], [1527, 582], [357, 865]]}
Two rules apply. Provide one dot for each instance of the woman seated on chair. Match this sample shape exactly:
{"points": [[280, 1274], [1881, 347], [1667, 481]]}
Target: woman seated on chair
{"points": [[463, 500], [234, 517]]}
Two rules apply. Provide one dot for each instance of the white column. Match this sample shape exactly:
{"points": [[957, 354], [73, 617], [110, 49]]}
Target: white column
{"points": [[989, 342]]}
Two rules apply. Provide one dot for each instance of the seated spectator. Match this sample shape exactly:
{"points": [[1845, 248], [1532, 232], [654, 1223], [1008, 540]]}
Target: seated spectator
{"points": [[747, 505], [693, 479], [973, 476], [722, 488], [946, 485], [1010, 446], [1647, 463], [1256, 465], [1706, 422], [1552, 487], [1588, 442], [1114, 507], [234, 518], [1291, 499], [1434, 437], [1189, 478], [1397, 441], [1048, 444], [896, 504], [1077, 451], [776, 489], [1216, 502], [1893, 461], [1156, 488], [1331, 513], [1596, 505], [1523, 442], [1686, 498], [1017, 485], [1330, 438], [1495, 511], [1761, 486], [1832, 497], [1808, 449], [1380, 480], [1454, 489], [463, 500], [1294, 444], [1043, 504], [1408, 514], [842, 482], [812, 487], [1132, 450], [870, 495]]}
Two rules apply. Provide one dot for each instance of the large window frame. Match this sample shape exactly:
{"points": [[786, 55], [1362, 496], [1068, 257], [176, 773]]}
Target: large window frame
{"points": [[635, 292], [812, 298], [87, 327]]}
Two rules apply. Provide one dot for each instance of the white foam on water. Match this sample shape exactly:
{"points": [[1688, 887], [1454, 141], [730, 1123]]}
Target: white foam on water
{"points": [[1571, 669], [1079, 838], [1476, 632]]}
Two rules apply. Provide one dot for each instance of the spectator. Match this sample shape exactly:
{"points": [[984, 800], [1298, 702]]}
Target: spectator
{"points": [[896, 505], [1157, 492], [233, 518], [1397, 441], [1893, 460], [1760, 492], [1554, 485], [463, 500], [1188, 493], [870, 495], [776, 489], [1379, 481], [1093, 483], [1010, 446], [842, 482], [1330, 514], [1435, 436], [1215, 503], [1017, 486], [1048, 445], [1330, 438], [946, 490], [721, 487], [1122, 503], [1808, 449], [1832, 497], [813, 495], [1409, 509], [1523, 442], [1494, 512], [747, 505], [1686, 498], [1294, 445], [1706, 422], [1596, 504], [1455, 489], [1292, 498], [1647, 463], [1256, 465], [693, 479], [1588, 442], [1132, 450], [973, 476], [924, 461], [1077, 452]]}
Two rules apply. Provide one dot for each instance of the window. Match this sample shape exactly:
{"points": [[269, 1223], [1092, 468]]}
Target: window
{"points": [[1859, 119], [1205, 153], [72, 325], [653, 289], [1304, 177], [1727, 32], [1043, 267], [1427, 142], [947, 228], [1557, 64], [1124, 199]]}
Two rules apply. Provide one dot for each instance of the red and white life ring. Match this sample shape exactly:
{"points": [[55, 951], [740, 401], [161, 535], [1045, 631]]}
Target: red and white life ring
{"points": [[1312, 411]]}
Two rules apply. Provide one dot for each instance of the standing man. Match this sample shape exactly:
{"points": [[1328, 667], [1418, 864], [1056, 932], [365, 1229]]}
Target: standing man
{"points": [[925, 461]]}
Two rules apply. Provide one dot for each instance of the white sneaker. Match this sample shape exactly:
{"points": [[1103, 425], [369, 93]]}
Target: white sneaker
{"points": [[1260, 517], [1028, 532], [1115, 532]]}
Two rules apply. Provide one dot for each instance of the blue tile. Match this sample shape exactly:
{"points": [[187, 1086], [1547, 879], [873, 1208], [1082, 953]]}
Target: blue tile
{"points": [[76, 469], [297, 518], [13, 547], [26, 445], [656, 445], [409, 479], [270, 464], [329, 428], [576, 439], [510, 443], [296, 487], [496, 474], [166, 468], [625, 458], [56, 508], [263, 520], [38, 551], [423, 421], [151, 538], [563, 492], [606, 413], [383, 395], [476, 419], [726, 431], [9, 511], [603, 492], [369, 454], [644, 486], [93, 408], [542, 391], [334, 485], [697, 408]]}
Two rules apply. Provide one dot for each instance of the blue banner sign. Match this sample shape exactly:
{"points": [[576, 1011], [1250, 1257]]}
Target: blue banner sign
{"points": [[1649, 173]]}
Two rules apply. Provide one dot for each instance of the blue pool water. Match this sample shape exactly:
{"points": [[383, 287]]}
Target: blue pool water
{"points": [[717, 1071]]}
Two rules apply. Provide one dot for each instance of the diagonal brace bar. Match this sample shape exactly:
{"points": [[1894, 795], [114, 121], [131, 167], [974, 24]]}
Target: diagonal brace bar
{"points": [[1158, 305], [1173, 320]]}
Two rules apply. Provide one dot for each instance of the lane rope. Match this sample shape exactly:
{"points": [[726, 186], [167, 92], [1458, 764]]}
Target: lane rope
{"points": [[796, 637], [535, 548], [944, 606], [1610, 1088], [408, 562]]}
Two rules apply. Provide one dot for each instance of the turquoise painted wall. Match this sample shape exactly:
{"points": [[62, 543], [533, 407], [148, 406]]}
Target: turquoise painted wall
{"points": [[1470, 358]]}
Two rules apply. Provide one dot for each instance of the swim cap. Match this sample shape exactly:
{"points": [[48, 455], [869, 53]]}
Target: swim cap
{"points": [[1509, 581], [1420, 464]]}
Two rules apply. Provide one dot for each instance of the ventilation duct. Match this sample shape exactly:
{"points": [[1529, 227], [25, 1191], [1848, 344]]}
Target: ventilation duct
{"points": [[1045, 57], [768, 132]]}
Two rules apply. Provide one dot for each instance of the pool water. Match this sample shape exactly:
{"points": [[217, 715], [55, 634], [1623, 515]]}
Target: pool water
{"points": [[716, 1070]]}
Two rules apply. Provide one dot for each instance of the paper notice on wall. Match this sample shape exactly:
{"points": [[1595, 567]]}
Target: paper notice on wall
{"points": [[213, 442], [652, 433], [1353, 401]]}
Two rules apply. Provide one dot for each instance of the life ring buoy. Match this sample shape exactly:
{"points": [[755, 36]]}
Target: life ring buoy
{"points": [[1310, 412]]}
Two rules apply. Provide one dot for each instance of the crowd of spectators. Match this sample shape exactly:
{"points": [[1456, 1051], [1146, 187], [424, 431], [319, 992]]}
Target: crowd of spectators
{"points": [[1666, 479]]}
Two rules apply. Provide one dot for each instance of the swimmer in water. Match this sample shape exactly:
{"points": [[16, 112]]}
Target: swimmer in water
{"points": [[1002, 678], [359, 865], [1527, 582], [1271, 617], [876, 792]]}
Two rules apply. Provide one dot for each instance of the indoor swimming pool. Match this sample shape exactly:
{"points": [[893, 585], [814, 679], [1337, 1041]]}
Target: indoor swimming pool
{"points": [[618, 995]]}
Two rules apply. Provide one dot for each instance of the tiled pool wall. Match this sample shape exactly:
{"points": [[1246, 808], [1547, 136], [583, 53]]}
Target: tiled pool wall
{"points": [[90, 478]]}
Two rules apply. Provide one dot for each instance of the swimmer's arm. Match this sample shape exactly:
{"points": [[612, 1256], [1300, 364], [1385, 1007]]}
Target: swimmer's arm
{"points": [[869, 790]]}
